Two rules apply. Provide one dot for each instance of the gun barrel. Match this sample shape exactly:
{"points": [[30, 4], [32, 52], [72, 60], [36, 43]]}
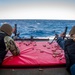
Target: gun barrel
{"points": [[65, 32], [15, 30]]}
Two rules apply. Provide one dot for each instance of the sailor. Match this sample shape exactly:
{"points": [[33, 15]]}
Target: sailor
{"points": [[6, 42], [69, 49]]}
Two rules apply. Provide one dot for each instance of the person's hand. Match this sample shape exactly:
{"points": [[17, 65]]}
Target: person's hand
{"points": [[62, 34], [13, 30], [73, 37]]}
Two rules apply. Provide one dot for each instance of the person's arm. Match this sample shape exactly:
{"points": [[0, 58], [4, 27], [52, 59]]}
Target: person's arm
{"points": [[62, 35], [10, 45], [67, 43]]}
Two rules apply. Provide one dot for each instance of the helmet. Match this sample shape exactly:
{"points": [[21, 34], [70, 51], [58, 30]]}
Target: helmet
{"points": [[7, 29], [72, 31]]}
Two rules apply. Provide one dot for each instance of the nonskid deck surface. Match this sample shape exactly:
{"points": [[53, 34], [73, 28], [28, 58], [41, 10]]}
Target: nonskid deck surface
{"points": [[35, 71]]}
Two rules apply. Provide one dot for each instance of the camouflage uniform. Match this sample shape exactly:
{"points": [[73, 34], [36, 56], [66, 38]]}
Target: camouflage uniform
{"points": [[6, 42], [10, 45]]}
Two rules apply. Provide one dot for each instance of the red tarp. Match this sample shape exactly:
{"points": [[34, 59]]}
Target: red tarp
{"points": [[36, 54]]}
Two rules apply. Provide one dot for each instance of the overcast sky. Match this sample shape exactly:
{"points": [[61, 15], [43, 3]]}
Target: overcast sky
{"points": [[37, 9]]}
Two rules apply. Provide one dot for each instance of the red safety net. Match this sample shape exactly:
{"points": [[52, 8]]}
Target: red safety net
{"points": [[36, 54]]}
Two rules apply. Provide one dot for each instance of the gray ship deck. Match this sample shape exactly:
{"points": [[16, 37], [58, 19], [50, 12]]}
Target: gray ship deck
{"points": [[34, 71]]}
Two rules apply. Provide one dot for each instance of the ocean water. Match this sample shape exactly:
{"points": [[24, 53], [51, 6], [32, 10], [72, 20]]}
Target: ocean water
{"points": [[40, 28]]}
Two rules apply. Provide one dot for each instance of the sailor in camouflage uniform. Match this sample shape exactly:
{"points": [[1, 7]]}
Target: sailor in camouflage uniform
{"points": [[6, 42]]}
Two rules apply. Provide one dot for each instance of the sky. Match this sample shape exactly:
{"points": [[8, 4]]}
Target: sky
{"points": [[37, 9]]}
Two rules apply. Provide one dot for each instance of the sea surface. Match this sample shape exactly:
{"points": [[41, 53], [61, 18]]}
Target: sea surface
{"points": [[40, 28]]}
